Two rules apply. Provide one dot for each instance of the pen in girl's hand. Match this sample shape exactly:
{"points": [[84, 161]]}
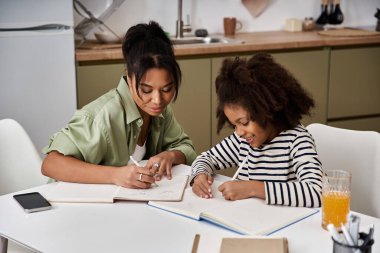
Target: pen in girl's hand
{"points": [[137, 164], [239, 169]]}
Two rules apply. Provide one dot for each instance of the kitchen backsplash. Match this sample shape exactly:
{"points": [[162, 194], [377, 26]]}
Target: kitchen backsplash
{"points": [[209, 14]]}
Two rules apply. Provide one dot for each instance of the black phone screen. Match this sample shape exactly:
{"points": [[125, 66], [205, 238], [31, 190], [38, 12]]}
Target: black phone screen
{"points": [[32, 202]]}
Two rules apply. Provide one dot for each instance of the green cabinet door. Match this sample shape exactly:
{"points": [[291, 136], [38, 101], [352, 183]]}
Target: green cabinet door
{"points": [[354, 88], [311, 69], [93, 80], [192, 108], [354, 82]]}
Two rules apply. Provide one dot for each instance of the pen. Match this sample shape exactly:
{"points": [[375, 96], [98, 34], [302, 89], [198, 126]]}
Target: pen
{"points": [[353, 227], [239, 169], [348, 238], [333, 232], [134, 161], [347, 235], [137, 164], [371, 229]]}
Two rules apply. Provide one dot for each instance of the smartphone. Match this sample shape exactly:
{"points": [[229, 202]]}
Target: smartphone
{"points": [[32, 202]]}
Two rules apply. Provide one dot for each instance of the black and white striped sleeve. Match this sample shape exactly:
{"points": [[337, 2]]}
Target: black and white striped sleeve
{"points": [[223, 155], [306, 190]]}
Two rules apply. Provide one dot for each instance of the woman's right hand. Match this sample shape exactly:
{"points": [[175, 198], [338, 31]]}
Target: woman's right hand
{"points": [[132, 176], [202, 185]]}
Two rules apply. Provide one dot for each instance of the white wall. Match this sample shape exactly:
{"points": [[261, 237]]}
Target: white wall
{"points": [[209, 13]]}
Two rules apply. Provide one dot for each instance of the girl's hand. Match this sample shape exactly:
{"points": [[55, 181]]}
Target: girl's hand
{"points": [[202, 185], [235, 190], [132, 176]]}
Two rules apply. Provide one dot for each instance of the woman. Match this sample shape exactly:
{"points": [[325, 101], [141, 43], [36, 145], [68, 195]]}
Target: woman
{"points": [[135, 119], [264, 103]]}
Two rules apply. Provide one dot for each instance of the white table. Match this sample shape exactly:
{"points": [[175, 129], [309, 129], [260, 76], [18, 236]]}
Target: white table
{"points": [[135, 227]]}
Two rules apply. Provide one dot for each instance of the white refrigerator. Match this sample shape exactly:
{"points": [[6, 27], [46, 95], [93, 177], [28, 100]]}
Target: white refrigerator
{"points": [[37, 65]]}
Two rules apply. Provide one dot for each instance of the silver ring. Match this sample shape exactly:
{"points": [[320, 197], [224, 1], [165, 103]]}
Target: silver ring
{"points": [[140, 179], [156, 165]]}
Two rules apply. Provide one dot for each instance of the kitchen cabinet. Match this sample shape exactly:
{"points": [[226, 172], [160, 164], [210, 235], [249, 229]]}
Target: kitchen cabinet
{"points": [[363, 124], [354, 88], [192, 107], [95, 79]]}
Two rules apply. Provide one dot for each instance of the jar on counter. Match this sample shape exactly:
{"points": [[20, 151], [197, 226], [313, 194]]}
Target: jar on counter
{"points": [[308, 24]]}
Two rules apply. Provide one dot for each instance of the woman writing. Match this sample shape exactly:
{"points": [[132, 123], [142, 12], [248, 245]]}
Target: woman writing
{"points": [[264, 103], [135, 119]]}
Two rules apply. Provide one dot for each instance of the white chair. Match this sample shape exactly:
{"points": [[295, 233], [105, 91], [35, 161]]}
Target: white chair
{"points": [[357, 152], [20, 163], [20, 166]]}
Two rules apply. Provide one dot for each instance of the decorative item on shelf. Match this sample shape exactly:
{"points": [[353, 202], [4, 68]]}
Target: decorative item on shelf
{"points": [[324, 17], [293, 25], [377, 15], [255, 7], [231, 25], [201, 33], [336, 16], [308, 24], [332, 17]]}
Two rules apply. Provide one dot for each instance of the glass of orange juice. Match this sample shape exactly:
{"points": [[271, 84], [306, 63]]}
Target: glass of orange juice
{"points": [[336, 195]]}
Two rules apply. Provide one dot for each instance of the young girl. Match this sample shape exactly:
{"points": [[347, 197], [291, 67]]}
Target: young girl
{"points": [[264, 103], [135, 119]]}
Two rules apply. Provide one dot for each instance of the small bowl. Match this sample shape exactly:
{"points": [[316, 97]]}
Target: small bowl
{"points": [[106, 37]]}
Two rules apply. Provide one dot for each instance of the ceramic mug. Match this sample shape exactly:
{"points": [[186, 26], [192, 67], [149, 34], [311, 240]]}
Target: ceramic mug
{"points": [[231, 25]]}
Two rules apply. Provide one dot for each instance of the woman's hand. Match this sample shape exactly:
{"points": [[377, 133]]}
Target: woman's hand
{"points": [[202, 185], [235, 190], [162, 163], [132, 176]]}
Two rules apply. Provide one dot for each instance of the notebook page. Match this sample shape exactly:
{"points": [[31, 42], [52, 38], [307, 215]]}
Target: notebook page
{"points": [[81, 193], [167, 190], [254, 217], [192, 205]]}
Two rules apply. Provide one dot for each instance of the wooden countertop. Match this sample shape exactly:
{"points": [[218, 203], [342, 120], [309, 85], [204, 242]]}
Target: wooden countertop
{"points": [[243, 42]]}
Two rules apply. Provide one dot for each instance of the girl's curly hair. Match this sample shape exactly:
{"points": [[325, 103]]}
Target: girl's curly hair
{"points": [[269, 92]]}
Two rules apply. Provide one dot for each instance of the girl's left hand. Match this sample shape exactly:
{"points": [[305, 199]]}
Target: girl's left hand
{"points": [[235, 190], [161, 164]]}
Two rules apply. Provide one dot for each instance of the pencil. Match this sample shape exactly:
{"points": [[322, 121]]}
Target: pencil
{"points": [[134, 161], [137, 164], [239, 169]]}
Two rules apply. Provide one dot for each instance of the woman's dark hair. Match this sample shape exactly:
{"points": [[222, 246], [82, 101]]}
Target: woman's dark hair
{"points": [[265, 89], [146, 46]]}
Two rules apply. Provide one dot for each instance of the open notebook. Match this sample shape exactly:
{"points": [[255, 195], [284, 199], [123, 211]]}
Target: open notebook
{"points": [[248, 216], [167, 190]]}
